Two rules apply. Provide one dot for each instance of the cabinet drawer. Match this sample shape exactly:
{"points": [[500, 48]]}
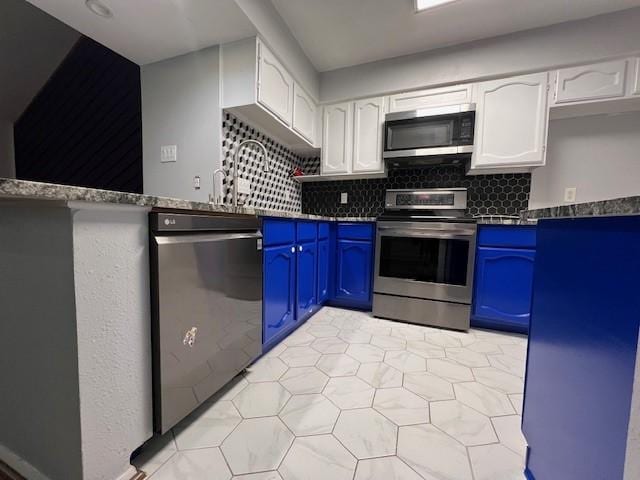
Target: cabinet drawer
{"points": [[355, 231], [278, 232], [515, 236], [307, 231], [323, 231]]}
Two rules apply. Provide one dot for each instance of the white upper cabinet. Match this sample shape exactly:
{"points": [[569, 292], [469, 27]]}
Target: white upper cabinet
{"points": [[511, 122], [304, 114], [337, 138], [275, 85], [434, 97], [591, 82], [635, 87], [368, 123]]}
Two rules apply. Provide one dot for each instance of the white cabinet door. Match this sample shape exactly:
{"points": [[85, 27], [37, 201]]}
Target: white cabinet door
{"points": [[434, 97], [337, 138], [368, 123], [275, 85], [304, 114], [591, 82], [635, 87], [511, 122]]}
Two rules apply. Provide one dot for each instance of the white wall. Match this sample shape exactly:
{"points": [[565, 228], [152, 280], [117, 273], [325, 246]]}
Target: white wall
{"points": [[276, 34], [7, 154], [598, 155], [534, 50], [181, 106]]}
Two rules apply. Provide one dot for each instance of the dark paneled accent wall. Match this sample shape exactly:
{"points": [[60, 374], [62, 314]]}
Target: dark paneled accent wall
{"points": [[84, 127], [505, 194]]}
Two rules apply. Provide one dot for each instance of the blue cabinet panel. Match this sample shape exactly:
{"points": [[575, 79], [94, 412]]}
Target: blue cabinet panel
{"points": [[582, 347], [307, 231], [355, 231], [517, 236], [353, 270], [503, 281], [306, 280], [279, 291], [323, 271], [278, 232], [323, 230]]}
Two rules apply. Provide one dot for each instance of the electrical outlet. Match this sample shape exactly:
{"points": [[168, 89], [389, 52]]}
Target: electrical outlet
{"points": [[196, 182], [570, 194], [344, 198], [168, 153], [244, 186]]}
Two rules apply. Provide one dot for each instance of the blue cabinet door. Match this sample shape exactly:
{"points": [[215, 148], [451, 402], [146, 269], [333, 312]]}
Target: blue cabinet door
{"points": [[503, 285], [323, 271], [353, 271], [307, 280], [279, 291]]}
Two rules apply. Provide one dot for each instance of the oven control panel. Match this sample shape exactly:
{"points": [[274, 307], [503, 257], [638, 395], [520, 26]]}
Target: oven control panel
{"points": [[426, 199]]}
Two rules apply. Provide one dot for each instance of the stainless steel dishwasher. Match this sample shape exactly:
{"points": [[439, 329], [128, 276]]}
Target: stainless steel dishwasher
{"points": [[206, 288]]}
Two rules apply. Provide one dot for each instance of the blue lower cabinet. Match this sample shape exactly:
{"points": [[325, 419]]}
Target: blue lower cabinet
{"points": [[353, 272], [279, 292], [504, 279], [306, 280], [323, 271]]}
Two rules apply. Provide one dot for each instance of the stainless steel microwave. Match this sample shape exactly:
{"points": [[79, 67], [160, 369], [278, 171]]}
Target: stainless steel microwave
{"points": [[431, 132]]}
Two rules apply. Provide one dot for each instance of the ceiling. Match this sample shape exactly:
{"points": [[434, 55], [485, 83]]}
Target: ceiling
{"points": [[340, 33], [29, 55], [147, 31]]}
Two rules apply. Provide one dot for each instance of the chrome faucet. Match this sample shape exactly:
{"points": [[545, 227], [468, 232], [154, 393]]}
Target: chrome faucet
{"points": [[236, 158], [213, 198]]}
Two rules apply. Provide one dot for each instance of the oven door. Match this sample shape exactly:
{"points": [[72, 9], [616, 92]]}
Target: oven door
{"points": [[428, 260]]}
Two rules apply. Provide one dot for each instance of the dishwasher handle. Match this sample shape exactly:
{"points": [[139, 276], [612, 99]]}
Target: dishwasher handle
{"points": [[204, 237]]}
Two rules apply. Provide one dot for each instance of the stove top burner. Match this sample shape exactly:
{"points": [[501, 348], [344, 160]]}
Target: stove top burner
{"points": [[408, 217]]}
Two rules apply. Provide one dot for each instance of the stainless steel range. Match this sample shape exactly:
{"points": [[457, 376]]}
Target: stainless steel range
{"points": [[425, 253]]}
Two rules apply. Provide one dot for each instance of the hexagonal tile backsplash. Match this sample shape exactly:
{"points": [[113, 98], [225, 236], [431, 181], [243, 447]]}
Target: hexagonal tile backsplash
{"points": [[505, 194]]}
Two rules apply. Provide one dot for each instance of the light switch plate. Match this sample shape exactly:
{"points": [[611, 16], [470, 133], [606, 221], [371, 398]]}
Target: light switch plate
{"points": [[244, 186], [570, 194], [344, 198], [168, 153]]}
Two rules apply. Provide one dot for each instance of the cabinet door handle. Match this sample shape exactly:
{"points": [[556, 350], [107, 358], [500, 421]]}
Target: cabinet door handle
{"points": [[293, 249], [299, 248]]}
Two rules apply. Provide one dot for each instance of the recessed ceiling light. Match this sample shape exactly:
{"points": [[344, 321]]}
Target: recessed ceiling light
{"points": [[422, 5], [99, 8]]}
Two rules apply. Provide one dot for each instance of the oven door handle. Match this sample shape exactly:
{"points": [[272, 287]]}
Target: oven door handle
{"points": [[453, 233]]}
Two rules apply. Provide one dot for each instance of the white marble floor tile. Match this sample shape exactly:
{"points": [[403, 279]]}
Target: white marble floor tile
{"points": [[257, 445], [376, 329], [405, 361], [428, 386], [385, 468], [517, 400], [484, 399], [330, 345], [309, 414], [518, 351], [388, 343], [300, 356], [349, 392], [366, 433], [462, 423], [207, 427], [230, 390], [380, 375], [299, 338], [508, 363], [203, 464], [449, 370], [467, 357], [485, 347], [433, 454], [425, 349], [496, 462], [319, 457], [354, 336], [442, 339], [408, 333], [320, 331], [300, 380], [338, 365], [498, 379], [401, 406], [155, 453], [365, 353], [265, 370], [261, 399], [259, 476], [510, 434]]}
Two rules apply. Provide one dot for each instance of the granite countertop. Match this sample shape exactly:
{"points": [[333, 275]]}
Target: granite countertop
{"points": [[22, 189], [504, 220], [602, 208]]}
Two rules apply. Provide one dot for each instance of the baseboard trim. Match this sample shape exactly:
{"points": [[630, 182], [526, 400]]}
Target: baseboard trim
{"points": [[20, 465]]}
